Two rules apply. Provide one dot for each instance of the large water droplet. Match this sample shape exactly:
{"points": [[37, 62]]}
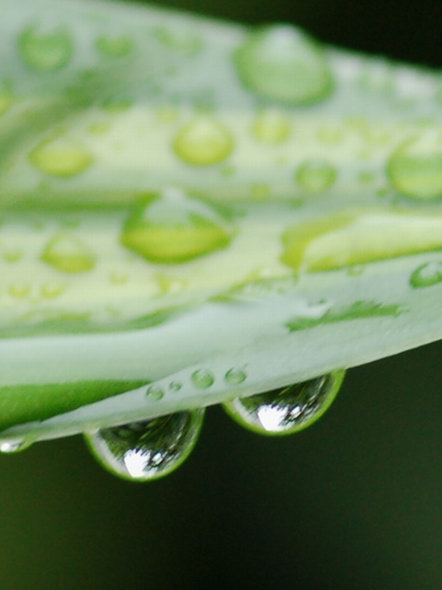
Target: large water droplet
{"points": [[68, 253], [316, 176], [173, 228], [282, 63], [61, 157], [46, 51], [427, 275], [289, 409], [144, 451], [203, 142], [272, 127], [415, 168], [116, 47]]}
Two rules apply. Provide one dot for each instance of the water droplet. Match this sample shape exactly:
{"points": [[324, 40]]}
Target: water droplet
{"points": [[61, 157], [13, 446], [203, 142], [235, 376], [20, 290], [148, 450], [155, 393], [46, 51], [355, 238], [427, 275], [181, 40], [203, 379], [316, 176], [173, 227], [52, 290], [271, 126], [175, 386], [415, 168], [120, 46], [68, 253], [282, 63], [289, 409]]}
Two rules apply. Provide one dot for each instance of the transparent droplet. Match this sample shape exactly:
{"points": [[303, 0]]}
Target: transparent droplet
{"points": [[427, 275], [203, 142], [120, 46], [282, 63], [13, 446], [52, 290], [61, 157], [235, 376], [203, 379], [182, 40], [175, 386], [144, 451], [415, 168], [272, 127], [289, 409], [155, 393], [173, 227], [68, 253], [316, 176], [46, 51]]}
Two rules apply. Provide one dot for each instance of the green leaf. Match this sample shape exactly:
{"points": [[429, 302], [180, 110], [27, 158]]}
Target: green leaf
{"points": [[182, 200]]}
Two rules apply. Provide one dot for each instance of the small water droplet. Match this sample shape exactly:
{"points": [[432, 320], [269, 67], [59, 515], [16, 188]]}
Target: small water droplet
{"points": [[181, 40], [235, 376], [316, 176], [147, 450], [46, 51], [289, 409], [120, 46], [282, 63], [20, 290], [272, 127], [13, 446], [52, 290], [61, 157], [172, 227], [415, 168], [427, 275], [155, 393], [175, 386], [203, 379], [203, 142], [68, 253]]}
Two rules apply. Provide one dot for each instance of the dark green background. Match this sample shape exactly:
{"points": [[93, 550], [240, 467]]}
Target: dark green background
{"points": [[353, 503]]}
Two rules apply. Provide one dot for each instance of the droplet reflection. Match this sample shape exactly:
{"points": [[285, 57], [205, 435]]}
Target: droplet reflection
{"points": [[144, 451], [289, 409]]}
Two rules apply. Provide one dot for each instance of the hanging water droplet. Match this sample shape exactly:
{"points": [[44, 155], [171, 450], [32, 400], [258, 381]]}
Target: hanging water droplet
{"points": [[203, 142], [61, 157], [46, 51], [282, 63], [203, 379], [316, 176], [68, 253], [289, 409], [427, 275], [272, 127], [13, 446], [172, 227], [235, 376], [415, 168], [120, 46], [144, 451]]}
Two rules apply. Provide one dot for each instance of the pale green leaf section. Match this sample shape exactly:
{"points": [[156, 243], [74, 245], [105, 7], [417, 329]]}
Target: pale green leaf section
{"points": [[181, 198]]}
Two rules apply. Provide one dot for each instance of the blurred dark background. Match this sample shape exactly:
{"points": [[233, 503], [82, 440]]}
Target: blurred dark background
{"points": [[354, 502]]}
